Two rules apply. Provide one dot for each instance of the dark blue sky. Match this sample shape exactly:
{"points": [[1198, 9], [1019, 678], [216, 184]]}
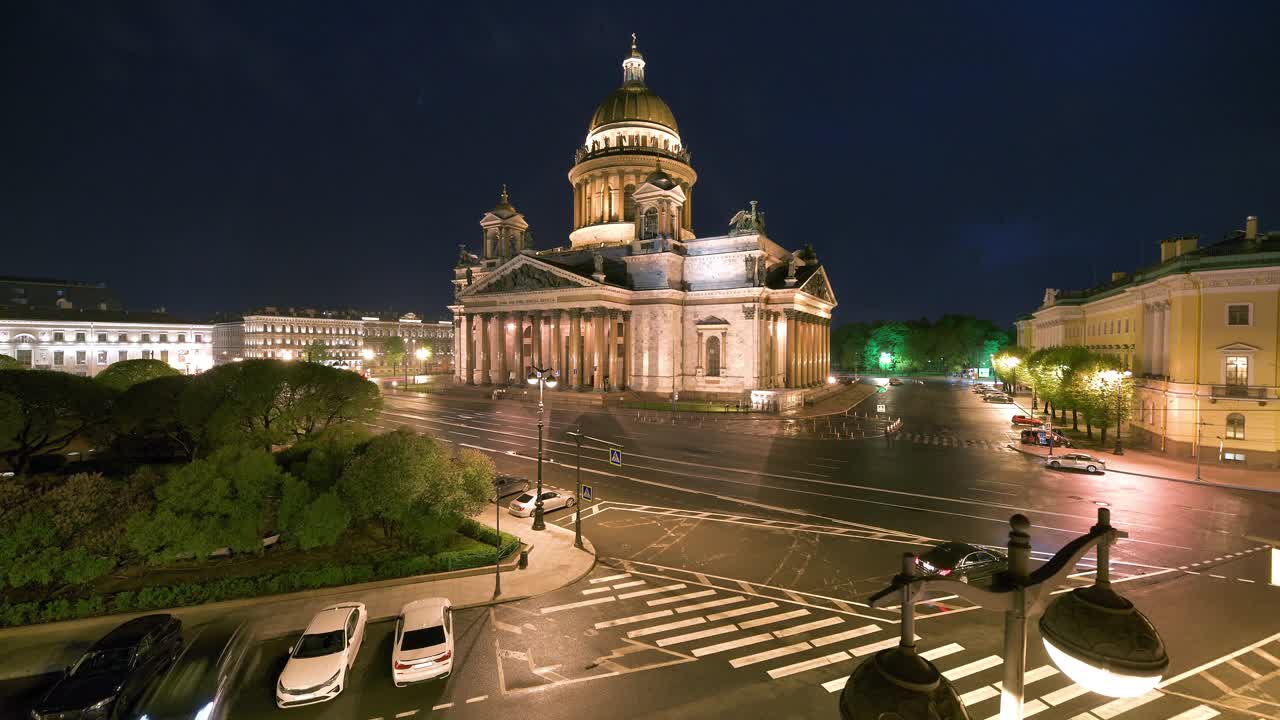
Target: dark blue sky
{"points": [[941, 157]]}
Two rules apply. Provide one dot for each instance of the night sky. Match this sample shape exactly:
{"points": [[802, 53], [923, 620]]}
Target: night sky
{"points": [[941, 157]]}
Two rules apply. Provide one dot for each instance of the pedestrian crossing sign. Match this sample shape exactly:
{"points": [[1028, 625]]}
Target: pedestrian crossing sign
{"points": [[615, 457], [586, 492], [880, 408]]}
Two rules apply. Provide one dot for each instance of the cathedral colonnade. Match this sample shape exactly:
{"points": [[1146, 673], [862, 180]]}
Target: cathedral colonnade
{"points": [[587, 346], [807, 349]]}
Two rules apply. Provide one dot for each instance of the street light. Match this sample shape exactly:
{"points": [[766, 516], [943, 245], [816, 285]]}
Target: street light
{"points": [[543, 378], [1116, 379], [497, 529], [1093, 634]]}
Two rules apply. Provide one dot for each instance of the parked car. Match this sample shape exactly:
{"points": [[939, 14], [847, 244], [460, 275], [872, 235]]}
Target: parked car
{"points": [[997, 397], [202, 682], [1041, 437], [962, 561], [1079, 461], [317, 668], [423, 648], [108, 679], [551, 500], [895, 381], [982, 389], [1027, 420], [505, 485]]}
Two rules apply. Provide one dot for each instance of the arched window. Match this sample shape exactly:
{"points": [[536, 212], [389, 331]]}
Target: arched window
{"points": [[629, 203], [1235, 426], [713, 356], [649, 225]]}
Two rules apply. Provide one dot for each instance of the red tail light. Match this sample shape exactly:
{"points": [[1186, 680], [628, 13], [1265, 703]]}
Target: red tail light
{"points": [[448, 654], [944, 572], [423, 661], [401, 666]]}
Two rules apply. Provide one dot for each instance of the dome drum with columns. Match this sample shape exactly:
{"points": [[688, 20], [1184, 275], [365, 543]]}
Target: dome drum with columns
{"points": [[638, 302]]}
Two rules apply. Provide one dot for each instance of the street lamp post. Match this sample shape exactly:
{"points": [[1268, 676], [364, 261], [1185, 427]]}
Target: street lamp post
{"points": [[543, 378], [497, 544], [1093, 634]]}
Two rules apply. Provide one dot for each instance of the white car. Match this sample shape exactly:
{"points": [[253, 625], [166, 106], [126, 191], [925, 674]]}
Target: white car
{"points": [[318, 664], [551, 500], [423, 648], [1079, 461]]}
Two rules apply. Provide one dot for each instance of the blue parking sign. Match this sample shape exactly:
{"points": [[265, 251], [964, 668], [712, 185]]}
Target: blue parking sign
{"points": [[615, 457]]}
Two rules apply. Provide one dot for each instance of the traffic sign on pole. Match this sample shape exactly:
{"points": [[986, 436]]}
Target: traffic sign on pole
{"points": [[615, 457], [586, 492], [880, 408]]}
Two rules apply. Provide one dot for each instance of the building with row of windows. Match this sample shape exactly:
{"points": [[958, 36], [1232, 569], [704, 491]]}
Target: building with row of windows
{"points": [[342, 339], [86, 342], [1200, 331]]}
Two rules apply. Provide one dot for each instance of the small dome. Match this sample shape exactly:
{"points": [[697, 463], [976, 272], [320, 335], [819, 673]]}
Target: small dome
{"points": [[633, 101], [660, 178], [504, 209]]}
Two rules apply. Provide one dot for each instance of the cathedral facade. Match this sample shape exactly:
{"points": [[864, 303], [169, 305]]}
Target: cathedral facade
{"points": [[637, 301]]}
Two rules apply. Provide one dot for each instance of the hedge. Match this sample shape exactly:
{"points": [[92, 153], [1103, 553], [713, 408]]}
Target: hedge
{"points": [[318, 576]]}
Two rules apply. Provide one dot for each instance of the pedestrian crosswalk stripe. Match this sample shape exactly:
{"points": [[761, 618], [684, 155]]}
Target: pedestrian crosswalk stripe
{"points": [[665, 627], [876, 646], [769, 654], [652, 591], [632, 619], [799, 667], [806, 627], [940, 652], [1028, 709], [681, 598], [580, 603], [976, 696], [610, 577], [1199, 712], [742, 611], [1057, 697], [757, 622], [835, 685], [976, 666], [709, 632], [1115, 707], [595, 591], [709, 604], [846, 635], [731, 645], [633, 583], [1039, 673]]}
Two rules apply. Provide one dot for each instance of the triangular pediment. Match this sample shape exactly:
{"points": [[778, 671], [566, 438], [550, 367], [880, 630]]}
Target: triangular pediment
{"points": [[818, 286], [526, 274], [712, 320], [1238, 347]]}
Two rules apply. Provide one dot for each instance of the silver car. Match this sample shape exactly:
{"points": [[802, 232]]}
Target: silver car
{"points": [[523, 506], [1079, 461]]}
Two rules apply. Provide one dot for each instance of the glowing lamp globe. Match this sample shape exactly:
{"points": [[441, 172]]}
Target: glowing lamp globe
{"points": [[1102, 642], [422, 353]]}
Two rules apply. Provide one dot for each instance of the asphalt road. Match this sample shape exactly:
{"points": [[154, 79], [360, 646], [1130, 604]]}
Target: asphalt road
{"points": [[734, 569]]}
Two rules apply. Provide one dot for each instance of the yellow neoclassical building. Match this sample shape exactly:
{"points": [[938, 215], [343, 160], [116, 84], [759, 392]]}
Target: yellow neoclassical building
{"points": [[1200, 331]]}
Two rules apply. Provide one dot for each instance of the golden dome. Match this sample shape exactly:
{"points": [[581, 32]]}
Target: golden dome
{"points": [[633, 102]]}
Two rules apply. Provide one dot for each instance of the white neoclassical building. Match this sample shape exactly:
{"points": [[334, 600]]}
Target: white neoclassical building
{"points": [[637, 301], [86, 342]]}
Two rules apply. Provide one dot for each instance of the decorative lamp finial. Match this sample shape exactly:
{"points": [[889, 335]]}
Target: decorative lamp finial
{"points": [[504, 193], [633, 41]]}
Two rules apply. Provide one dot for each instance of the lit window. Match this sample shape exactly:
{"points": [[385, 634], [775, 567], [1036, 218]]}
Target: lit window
{"points": [[82, 357], [1237, 370], [1238, 314], [1233, 457], [1235, 426], [102, 357]]}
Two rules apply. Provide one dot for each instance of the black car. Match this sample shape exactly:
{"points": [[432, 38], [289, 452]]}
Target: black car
{"points": [[201, 683], [506, 485], [962, 561], [114, 671]]}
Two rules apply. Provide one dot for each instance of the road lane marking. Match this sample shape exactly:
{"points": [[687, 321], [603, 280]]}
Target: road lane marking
{"points": [[709, 604], [1267, 656], [652, 591], [731, 645], [1244, 580], [846, 635], [632, 619], [477, 699], [407, 713], [681, 598], [835, 685], [445, 706], [665, 627], [610, 578], [1254, 675], [709, 632], [977, 696], [757, 622], [876, 646], [580, 603], [964, 671], [633, 583], [1030, 708], [595, 591], [1199, 712], [800, 667], [769, 654], [941, 652], [806, 627], [1115, 707], [742, 611], [1070, 692]]}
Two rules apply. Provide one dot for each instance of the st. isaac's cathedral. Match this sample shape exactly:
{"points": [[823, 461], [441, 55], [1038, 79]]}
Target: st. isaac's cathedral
{"points": [[638, 301]]}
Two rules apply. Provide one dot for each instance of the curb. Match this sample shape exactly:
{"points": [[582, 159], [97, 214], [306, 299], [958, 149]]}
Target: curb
{"points": [[1201, 483]]}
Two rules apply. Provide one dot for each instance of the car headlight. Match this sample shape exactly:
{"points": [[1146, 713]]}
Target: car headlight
{"points": [[205, 713]]}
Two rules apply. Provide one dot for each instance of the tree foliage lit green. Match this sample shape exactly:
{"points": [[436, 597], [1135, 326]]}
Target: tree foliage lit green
{"points": [[951, 344]]}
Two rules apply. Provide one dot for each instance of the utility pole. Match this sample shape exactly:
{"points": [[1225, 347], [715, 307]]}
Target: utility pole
{"points": [[577, 498]]}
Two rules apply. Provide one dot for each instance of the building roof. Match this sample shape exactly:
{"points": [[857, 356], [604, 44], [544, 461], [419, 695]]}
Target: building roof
{"points": [[18, 312], [633, 101]]}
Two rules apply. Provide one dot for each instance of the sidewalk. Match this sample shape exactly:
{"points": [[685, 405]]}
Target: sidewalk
{"points": [[840, 402], [553, 563], [1145, 463]]}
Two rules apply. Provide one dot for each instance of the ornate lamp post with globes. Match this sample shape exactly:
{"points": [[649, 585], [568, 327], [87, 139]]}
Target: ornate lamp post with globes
{"points": [[543, 378]]}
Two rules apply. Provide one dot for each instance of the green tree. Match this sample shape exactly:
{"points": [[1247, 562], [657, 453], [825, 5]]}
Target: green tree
{"points": [[1106, 392], [886, 347], [323, 397], [46, 411], [309, 519], [390, 475], [55, 536], [317, 352], [152, 411], [8, 362], [394, 351], [250, 401], [121, 376], [320, 459]]}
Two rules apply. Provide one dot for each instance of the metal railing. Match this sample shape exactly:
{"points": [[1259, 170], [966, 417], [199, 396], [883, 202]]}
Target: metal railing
{"points": [[1240, 391]]}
